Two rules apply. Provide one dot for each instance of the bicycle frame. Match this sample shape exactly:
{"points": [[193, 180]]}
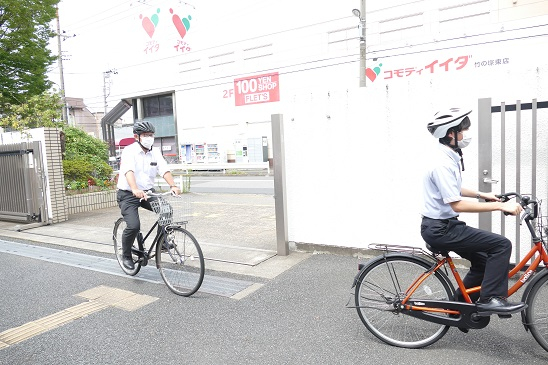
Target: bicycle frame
{"points": [[141, 252]]}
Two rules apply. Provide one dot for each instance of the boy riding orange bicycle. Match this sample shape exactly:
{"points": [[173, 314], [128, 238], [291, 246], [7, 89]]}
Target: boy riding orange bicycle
{"points": [[489, 253]]}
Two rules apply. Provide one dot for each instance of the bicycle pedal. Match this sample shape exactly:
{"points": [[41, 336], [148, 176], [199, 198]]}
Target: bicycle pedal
{"points": [[505, 316]]}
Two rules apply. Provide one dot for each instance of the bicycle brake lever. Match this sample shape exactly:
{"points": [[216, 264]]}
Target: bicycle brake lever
{"points": [[503, 198], [146, 195]]}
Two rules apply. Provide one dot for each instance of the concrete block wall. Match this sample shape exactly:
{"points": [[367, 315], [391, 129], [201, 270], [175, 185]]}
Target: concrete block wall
{"points": [[56, 180], [87, 202]]}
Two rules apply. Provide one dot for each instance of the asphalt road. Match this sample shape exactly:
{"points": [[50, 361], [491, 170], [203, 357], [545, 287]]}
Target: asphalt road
{"points": [[233, 184], [298, 317]]}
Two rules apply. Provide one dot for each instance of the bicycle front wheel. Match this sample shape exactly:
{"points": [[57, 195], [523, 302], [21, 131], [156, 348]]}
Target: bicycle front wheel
{"points": [[180, 261], [382, 285], [119, 227], [537, 311]]}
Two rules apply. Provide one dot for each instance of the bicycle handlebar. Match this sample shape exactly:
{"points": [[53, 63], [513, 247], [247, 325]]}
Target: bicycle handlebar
{"points": [[151, 193], [525, 201]]}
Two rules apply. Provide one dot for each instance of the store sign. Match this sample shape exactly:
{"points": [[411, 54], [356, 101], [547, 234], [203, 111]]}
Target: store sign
{"points": [[257, 89], [436, 66]]}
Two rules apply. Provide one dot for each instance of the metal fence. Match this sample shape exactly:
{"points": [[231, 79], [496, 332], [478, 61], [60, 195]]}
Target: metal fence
{"points": [[513, 150], [22, 183]]}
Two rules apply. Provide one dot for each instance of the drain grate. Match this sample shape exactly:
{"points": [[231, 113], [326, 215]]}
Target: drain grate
{"points": [[216, 285]]}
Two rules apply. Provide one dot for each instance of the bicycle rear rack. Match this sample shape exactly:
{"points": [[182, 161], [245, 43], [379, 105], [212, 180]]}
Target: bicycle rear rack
{"points": [[397, 248]]}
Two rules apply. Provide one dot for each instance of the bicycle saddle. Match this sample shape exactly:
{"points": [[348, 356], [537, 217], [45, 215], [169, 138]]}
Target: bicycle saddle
{"points": [[437, 251]]}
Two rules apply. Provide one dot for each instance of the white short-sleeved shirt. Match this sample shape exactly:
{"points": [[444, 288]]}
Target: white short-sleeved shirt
{"points": [[145, 166], [442, 183]]}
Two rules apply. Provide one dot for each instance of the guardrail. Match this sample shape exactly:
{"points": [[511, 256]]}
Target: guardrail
{"points": [[223, 167], [181, 172]]}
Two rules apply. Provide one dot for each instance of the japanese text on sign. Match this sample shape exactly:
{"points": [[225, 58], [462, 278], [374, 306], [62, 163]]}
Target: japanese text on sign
{"points": [[448, 65], [496, 62], [257, 89]]}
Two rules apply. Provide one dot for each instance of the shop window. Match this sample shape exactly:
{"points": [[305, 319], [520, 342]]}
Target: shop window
{"points": [[156, 106]]}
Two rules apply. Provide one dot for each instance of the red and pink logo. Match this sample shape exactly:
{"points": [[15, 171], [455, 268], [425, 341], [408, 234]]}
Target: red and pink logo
{"points": [[182, 25], [372, 73], [150, 24]]}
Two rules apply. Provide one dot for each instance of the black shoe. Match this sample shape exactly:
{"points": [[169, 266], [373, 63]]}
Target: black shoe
{"points": [[128, 263], [498, 305]]}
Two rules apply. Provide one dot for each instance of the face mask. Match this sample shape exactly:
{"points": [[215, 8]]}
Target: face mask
{"points": [[147, 142], [466, 139]]}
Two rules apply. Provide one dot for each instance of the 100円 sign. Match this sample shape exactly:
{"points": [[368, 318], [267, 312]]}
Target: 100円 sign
{"points": [[257, 89]]}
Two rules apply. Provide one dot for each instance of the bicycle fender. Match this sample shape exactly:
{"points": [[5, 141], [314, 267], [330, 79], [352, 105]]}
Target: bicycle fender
{"points": [[376, 259], [526, 293]]}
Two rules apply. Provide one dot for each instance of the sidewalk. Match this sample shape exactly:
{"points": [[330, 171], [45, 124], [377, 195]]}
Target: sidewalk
{"points": [[237, 233]]}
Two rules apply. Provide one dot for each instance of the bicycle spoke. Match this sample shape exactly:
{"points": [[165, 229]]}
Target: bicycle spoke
{"points": [[119, 228], [181, 262], [537, 312], [380, 287]]}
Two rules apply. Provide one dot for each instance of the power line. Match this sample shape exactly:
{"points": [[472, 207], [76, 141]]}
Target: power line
{"points": [[462, 37], [89, 22], [312, 25], [235, 42], [464, 45], [195, 84], [322, 66], [375, 52], [369, 58]]}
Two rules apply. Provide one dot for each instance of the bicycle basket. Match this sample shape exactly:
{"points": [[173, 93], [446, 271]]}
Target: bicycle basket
{"points": [[172, 209]]}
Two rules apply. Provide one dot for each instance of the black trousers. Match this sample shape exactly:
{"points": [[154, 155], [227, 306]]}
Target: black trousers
{"points": [[489, 253], [129, 207]]}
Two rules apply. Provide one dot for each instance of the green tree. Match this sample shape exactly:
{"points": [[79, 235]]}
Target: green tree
{"points": [[38, 111], [85, 158], [24, 54]]}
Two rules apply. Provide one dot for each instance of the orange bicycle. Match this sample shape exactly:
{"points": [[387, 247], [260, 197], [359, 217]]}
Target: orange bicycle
{"points": [[405, 297]]}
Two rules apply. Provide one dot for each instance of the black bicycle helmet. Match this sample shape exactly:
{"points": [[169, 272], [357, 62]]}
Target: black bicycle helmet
{"points": [[446, 119], [143, 126]]}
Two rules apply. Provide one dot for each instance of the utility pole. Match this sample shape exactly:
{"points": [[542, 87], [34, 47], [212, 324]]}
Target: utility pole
{"points": [[360, 13], [62, 78], [106, 75]]}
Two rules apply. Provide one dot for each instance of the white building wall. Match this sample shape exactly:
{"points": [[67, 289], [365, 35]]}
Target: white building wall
{"points": [[353, 155]]}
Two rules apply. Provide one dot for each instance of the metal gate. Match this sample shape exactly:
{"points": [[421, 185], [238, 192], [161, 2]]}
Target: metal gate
{"points": [[513, 149], [22, 183]]}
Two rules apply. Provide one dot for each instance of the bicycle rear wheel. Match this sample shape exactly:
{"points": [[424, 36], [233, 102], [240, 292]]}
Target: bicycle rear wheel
{"points": [[180, 261], [380, 288], [119, 227], [537, 311]]}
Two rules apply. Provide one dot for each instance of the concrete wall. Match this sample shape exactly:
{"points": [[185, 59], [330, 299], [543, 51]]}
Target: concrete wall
{"points": [[87, 202]]}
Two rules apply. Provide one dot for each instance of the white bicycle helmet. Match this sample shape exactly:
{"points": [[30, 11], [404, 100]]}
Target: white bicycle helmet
{"points": [[446, 119]]}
